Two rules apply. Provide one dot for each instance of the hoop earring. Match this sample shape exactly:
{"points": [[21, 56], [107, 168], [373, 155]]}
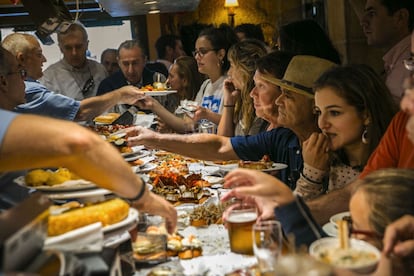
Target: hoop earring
{"points": [[364, 137]]}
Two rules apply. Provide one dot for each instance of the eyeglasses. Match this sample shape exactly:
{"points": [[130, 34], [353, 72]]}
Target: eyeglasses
{"points": [[90, 83], [21, 72], [202, 52], [367, 233]]}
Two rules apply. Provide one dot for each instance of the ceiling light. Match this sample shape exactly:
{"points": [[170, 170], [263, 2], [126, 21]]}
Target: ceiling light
{"points": [[150, 2], [154, 11]]}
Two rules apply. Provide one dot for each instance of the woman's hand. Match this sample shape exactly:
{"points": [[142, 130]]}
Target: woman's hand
{"points": [[255, 183], [231, 93], [315, 151], [200, 113], [139, 135]]}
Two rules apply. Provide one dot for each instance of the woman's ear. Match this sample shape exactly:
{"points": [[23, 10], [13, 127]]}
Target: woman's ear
{"points": [[221, 54], [367, 118]]}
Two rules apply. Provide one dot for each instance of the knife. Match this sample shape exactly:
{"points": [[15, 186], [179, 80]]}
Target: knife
{"points": [[126, 118]]}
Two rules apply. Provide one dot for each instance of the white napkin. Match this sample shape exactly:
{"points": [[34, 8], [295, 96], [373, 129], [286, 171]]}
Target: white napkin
{"points": [[86, 239], [144, 120]]}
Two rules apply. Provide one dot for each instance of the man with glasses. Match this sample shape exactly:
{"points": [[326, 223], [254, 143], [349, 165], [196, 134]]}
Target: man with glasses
{"points": [[387, 24], [74, 75], [39, 100]]}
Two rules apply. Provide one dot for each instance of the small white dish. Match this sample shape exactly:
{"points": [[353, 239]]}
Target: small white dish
{"points": [[330, 229], [361, 257], [335, 218]]}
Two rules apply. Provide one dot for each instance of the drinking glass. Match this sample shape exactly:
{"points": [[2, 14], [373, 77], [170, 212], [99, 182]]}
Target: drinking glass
{"points": [[240, 218], [267, 245]]}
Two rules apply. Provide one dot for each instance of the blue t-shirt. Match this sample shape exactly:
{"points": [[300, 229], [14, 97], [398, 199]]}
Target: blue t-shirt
{"points": [[6, 118], [280, 144], [41, 101]]}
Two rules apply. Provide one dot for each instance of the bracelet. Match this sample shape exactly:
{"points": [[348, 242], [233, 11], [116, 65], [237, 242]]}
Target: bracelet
{"points": [[140, 193], [229, 105]]}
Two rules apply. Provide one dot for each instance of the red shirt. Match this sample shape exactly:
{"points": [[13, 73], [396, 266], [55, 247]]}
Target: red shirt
{"points": [[395, 150]]}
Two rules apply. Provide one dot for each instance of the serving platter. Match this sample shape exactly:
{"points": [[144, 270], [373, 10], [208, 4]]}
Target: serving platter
{"points": [[131, 218], [85, 194], [235, 165], [159, 92], [67, 186]]}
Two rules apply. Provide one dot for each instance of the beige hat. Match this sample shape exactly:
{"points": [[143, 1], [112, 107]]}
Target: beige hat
{"points": [[301, 74]]}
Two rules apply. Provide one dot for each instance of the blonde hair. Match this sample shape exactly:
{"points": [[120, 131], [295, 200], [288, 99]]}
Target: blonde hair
{"points": [[244, 55], [390, 194]]}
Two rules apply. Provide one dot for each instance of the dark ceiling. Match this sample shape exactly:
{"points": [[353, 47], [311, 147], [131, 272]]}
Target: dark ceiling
{"points": [[93, 13]]}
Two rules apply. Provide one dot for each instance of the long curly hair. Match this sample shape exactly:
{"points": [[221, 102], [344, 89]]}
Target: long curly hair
{"points": [[244, 55]]}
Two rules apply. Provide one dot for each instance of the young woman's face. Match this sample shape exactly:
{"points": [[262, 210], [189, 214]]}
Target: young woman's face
{"points": [[338, 120], [174, 80], [264, 95], [207, 58]]}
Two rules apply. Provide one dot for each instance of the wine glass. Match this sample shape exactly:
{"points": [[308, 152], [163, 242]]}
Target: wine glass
{"points": [[267, 245]]}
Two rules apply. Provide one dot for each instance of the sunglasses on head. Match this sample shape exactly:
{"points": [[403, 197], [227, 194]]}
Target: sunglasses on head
{"points": [[90, 83]]}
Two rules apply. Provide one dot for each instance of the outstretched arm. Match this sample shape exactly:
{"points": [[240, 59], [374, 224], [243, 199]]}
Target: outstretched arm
{"points": [[35, 141], [177, 124], [200, 146], [94, 106]]}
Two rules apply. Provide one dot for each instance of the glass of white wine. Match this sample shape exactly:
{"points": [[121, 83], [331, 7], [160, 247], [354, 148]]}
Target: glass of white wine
{"points": [[267, 245]]}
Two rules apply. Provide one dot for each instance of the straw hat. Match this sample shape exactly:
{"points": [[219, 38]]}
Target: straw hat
{"points": [[301, 74]]}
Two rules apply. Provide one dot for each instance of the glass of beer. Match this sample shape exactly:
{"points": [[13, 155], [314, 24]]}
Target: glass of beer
{"points": [[240, 218]]}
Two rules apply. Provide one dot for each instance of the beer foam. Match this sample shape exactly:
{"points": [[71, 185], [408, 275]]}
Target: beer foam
{"points": [[243, 217]]}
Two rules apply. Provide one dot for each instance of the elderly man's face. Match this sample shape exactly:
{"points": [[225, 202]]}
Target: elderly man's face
{"points": [[132, 62], [295, 111], [34, 60], [110, 62], [13, 86]]}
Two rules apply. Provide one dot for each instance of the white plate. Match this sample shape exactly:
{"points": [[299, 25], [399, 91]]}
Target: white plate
{"points": [[276, 167], [213, 179], [137, 155], [330, 229], [145, 160], [131, 218], [135, 150], [67, 186], [335, 218], [159, 92], [230, 167], [146, 168], [226, 167], [93, 193]]}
